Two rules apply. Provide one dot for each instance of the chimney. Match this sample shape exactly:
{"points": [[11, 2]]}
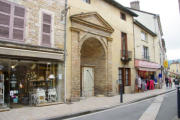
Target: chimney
{"points": [[135, 5]]}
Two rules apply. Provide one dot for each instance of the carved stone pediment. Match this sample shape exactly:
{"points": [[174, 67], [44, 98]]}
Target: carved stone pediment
{"points": [[92, 19]]}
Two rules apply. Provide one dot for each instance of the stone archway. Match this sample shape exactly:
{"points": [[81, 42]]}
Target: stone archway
{"points": [[93, 56], [91, 46]]}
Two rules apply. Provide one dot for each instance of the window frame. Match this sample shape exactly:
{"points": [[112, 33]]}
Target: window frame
{"points": [[11, 22], [124, 41], [144, 35], [44, 33], [124, 76], [87, 1], [52, 41], [146, 52], [123, 16]]}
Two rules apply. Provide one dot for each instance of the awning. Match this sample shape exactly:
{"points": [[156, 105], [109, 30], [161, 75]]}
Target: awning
{"points": [[147, 69], [146, 65], [30, 54]]}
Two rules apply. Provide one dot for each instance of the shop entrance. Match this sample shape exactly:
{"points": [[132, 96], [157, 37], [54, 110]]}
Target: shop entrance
{"points": [[93, 68], [28, 82]]}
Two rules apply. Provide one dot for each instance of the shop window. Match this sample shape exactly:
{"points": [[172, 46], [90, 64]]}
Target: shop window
{"points": [[123, 16], [87, 1], [46, 30], [12, 21], [28, 83]]}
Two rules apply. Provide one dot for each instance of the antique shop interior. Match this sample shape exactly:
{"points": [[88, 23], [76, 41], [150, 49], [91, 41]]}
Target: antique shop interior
{"points": [[25, 83]]}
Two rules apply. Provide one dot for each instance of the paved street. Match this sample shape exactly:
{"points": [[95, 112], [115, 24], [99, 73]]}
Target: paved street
{"points": [[127, 112], [168, 108], [85, 105], [162, 107]]}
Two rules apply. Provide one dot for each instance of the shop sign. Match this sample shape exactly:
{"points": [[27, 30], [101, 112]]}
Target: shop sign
{"points": [[165, 64], [145, 64], [160, 75]]}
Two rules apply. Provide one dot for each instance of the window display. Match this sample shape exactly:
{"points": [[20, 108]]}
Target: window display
{"points": [[29, 83]]}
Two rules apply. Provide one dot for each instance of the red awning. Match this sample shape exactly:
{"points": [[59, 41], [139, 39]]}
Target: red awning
{"points": [[146, 65]]}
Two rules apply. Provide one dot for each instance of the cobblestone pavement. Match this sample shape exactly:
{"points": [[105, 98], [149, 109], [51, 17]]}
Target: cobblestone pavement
{"points": [[88, 104]]}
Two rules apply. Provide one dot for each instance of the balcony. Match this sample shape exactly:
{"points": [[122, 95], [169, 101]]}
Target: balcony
{"points": [[147, 58], [126, 56]]}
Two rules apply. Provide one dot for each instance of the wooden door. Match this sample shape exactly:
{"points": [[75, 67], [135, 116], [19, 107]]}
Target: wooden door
{"points": [[87, 81]]}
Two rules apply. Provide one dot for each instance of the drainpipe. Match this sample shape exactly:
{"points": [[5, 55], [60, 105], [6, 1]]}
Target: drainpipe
{"points": [[134, 55], [65, 33]]}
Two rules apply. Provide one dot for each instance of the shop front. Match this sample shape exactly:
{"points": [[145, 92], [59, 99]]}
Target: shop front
{"points": [[148, 72], [29, 82]]}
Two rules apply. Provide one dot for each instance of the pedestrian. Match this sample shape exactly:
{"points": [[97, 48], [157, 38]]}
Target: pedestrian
{"points": [[143, 85], [139, 84], [167, 82], [155, 82], [170, 82], [151, 84], [148, 84]]}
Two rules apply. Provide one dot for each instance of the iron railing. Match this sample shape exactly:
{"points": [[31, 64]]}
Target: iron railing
{"points": [[126, 55]]}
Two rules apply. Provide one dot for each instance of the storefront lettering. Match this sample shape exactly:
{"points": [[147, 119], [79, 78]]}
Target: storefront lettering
{"points": [[139, 63]]}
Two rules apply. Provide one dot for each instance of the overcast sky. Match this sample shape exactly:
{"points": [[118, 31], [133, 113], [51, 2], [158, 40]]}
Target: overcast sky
{"points": [[170, 20]]}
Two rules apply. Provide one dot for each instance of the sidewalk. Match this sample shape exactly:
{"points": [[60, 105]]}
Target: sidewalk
{"points": [[89, 104]]}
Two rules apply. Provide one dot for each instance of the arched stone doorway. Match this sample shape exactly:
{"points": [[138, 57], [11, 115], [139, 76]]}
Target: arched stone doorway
{"points": [[91, 50], [93, 68]]}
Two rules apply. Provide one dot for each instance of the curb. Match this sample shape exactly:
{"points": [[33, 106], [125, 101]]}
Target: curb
{"points": [[102, 109]]}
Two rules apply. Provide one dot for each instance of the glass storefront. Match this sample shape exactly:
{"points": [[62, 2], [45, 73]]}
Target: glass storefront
{"points": [[28, 82]]}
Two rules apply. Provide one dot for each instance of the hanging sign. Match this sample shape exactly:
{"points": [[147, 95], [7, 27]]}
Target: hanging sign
{"points": [[165, 64]]}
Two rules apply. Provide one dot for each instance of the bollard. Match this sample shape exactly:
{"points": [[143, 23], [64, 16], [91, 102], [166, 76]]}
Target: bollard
{"points": [[121, 94], [178, 101]]}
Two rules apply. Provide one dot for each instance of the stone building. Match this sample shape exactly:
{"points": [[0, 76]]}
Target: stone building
{"points": [[100, 47], [174, 69], [31, 51], [150, 49]]}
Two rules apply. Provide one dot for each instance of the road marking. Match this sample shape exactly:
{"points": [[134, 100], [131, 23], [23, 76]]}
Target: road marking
{"points": [[114, 108], [153, 109]]}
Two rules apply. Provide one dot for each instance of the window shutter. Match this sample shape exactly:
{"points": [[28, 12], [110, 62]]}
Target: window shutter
{"points": [[5, 7], [18, 28], [4, 32], [4, 19], [46, 30], [129, 77], [19, 11], [5, 10], [18, 22]]}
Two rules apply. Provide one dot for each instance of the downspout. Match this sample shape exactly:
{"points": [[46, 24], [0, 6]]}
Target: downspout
{"points": [[65, 33], [134, 55]]}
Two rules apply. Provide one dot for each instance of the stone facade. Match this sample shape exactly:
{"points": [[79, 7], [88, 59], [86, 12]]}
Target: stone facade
{"points": [[90, 48], [98, 23], [33, 21], [31, 47]]}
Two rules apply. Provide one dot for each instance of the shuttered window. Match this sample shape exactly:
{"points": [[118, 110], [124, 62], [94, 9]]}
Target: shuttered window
{"points": [[12, 20], [46, 30]]}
